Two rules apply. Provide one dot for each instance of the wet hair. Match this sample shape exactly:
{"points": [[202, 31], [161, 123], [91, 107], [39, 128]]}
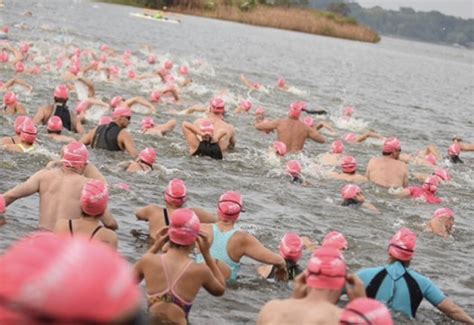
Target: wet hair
{"points": [[351, 173], [296, 180], [61, 100], [351, 202], [386, 153], [455, 160], [174, 245], [54, 132]]}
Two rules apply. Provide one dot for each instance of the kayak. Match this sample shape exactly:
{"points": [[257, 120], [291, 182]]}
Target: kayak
{"points": [[162, 19]]}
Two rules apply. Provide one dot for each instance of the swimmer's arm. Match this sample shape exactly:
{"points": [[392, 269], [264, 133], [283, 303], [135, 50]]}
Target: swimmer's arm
{"points": [[143, 213], [368, 134], [27, 188], [316, 136], [246, 82], [255, 250], [173, 93], [109, 221], [95, 101], [14, 81], [267, 125], [190, 131], [466, 146], [455, 312], [124, 164], [142, 101], [204, 216], [138, 269], [87, 138], [371, 207], [94, 173], [21, 109], [77, 125], [420, 176], [39, 116], [90, 86], [405, 178], [369, 167], [128, 144], [265, 316], [193, 109]]}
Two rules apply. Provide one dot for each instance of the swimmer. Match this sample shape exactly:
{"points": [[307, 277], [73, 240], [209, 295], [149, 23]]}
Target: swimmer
{"points": [[250, 85], [148, 127], [309, 121], [293, 168], [55, 128], [12, 82], [113, 136], [229, 244], [428, 157], [118, 101], [28, 133], [143, 164], [426, 192], [94, 200], [281, 84], [353, 138], [464, 146], [442, 174], [406, 291], [175, 195], [243, 107], [333, 158], [172, 279], [365, 311], [11, 105], [388, 170], [203, 141], [349, 171], [352, 196], [291, 130], [442, 222], [59, 189], [291, 249], [279, 148], [260, 115], [59, 108], [17, 127], [316, 293], [453, 154]]}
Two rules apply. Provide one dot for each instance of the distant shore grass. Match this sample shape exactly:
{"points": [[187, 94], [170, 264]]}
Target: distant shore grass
{"points": [[295, 19]]}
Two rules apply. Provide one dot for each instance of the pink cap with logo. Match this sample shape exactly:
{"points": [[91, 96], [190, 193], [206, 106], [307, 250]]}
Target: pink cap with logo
{"points": [[175, 192], [122, 111], [454, 149], [82, 106], [293, 167], [217, 105], [184, 227], [28, 132], [348, 111], [260, 111], [350, 191], [280, 148], [19, 122], [151, 59], [349, 164], [155, 96], [94, 198], [75, 155], [431, 184], [295, 109], [55, 124], [309, 121], [168, 65], [443, 213], [183, 70], [10, 98], [336, 240], [230, 205], [442, 174], [326, 269], [19, 67], [402, 245], [147, 123], [207, 128], [391, 145], [114, 102], [246, 105], [281, 82], [366, 311], [148, 156], [61, 92], [291, 247], [337, 147]]}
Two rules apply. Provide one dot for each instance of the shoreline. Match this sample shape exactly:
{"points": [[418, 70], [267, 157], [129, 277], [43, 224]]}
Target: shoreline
{"points": [[307, 21]]}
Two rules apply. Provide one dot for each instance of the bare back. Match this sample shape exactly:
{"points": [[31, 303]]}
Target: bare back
{"points": [[92, 229], [387, 172]]}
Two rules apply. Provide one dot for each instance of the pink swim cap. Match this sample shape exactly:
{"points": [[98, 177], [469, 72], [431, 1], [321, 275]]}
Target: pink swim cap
{"points": [[82, 106], [391, 145], [94, 198], [183, 70], [155, 96], [105, 120], [148, 156], [207, 128], [115, 101], [69, 280], [402, 245], [335, 240], [431, 184], [55, 124], [430, 159], [291, 247], [246, 105], [175, 192], [337, 147], [147, 123], [230, 205], [28, 132], [10, 98], [217, 105], [326, 269], [366, 311], [281, 82], [103, 58], [295, 109], [454, 149], [443, 174], [260, 111], [168, 65], [280, 148], [349, 164], [131, 74], [113, 70], [5, 29], [61, 92], [293, 167], [350, 138], [151, 59], [2, 204], [75, 155], [3, 56], [350, 191], [184, 227], [443, 213], [19, 122], [309, 121], [104, 47], [19, 67], [348, 111], [75, 69], [122, 111]]}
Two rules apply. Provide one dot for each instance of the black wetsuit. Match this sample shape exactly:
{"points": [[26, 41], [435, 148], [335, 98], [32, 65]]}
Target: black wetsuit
{"points": [[292, 268], [106, 137], [207, 148], [351, 202], [62, 111], [296, 180], [167, 219], [96, 230], [455, 160]]}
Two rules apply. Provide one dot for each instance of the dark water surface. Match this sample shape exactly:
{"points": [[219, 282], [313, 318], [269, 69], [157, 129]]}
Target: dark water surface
{"points": [[420, 92]]}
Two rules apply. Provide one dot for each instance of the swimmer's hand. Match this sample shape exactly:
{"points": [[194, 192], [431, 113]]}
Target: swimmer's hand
{"points": [[354, 287], [300, 288], [203, 243], [161, 238], [281, 273]]}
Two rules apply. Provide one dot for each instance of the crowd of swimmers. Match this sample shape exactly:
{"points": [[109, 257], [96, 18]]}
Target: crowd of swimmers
{"points": [[70, 271]]}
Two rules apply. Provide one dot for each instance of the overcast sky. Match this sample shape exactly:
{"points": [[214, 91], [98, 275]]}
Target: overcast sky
{"points": [[458, 8]]}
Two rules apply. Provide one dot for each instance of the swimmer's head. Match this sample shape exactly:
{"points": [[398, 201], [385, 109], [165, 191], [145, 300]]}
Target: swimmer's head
{"points": [[335, 240], [19, 67], [61, 94], [5, 29], [280, 148], [24, 47], [116, 101], [155, 96], [183, 70], [295, 110], [147, 123], [352, 192], [151, 59], [105, 120], [19, 122], [337, 147], [293, 167], [55, 125], [104, 47], [94, 198], [431, 184], [175, 193], [444, 217], [309, 121], [402, 245], [217, 106], [122, 116], [281, 82], [75, 155], [75, 69], [148, 156], [326, 269], [454, 150], [168, 64], [260, 111], [442, 174], [28, 132], [184, 227], [349, 165], [291, 247], [131, 74], [229, 206], [431, 159], [391, 147], [246, 105], [365, 311], [207, 129], [443, 213], [348, 111], [10, 99], [350, 138]]}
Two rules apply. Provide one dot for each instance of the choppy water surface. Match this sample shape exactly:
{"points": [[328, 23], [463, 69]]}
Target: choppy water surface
{"points": [[422, 93]]}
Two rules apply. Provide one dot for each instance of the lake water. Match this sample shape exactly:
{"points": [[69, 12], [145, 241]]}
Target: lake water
{"points": [[421, 93]]}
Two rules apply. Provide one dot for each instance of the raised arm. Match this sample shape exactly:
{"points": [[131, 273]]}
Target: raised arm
{"points": [[109, 221], [204, 216], [88, 137], [267, 126], [214, 281], [142, 101], [255, 250], [143, 213], [316, 136], [190, 131], [27, 188]]}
